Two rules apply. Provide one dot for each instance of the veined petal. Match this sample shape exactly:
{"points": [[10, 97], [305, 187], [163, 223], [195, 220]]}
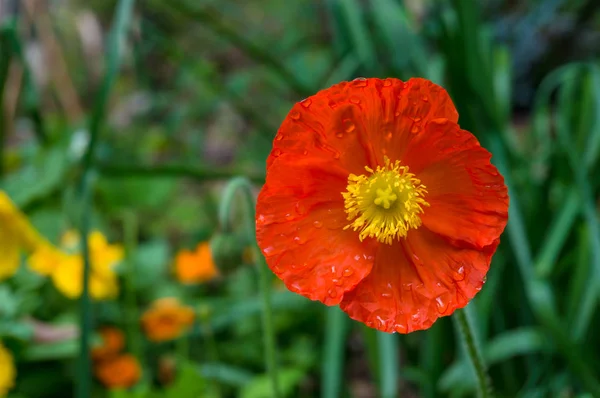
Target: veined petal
{"points": [[416, 281]]}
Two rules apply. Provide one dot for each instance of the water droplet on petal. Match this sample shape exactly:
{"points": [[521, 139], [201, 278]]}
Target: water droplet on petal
{"points": [[306, 102], [278, 137], [289, 216], [400, 328], [339, 134], [348, 125], [276, 152], [268, 250], [300, 240], [387, 83], [347, 272], [460, 274], [388, 135], [415, 129], [337, 282], [332, 293], [425, 99], [360, 82], [300, 208], [355, 100], [318, 224], [295, 115], [417, 119], [336, 155], [386, 295], [305, 152], [442, 305]]}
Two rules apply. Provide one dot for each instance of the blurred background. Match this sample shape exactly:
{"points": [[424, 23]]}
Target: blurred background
{"points": [[126, 119]]}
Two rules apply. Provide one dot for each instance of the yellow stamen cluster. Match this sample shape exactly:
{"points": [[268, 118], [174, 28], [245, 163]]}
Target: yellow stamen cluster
{"points": [[385, 204]]}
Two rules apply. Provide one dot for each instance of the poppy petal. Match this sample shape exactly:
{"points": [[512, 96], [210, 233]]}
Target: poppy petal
{"points": [[467, 196], [414, 283], [299, 227]]}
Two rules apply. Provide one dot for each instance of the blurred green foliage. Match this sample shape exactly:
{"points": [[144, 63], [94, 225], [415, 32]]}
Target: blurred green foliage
{"points": [[190, 94]]}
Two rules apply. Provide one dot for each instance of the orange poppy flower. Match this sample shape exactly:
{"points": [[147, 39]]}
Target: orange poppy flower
{"points": [[122, 371], [113, 342], [167, 319], [376, 200], [195, 266]]}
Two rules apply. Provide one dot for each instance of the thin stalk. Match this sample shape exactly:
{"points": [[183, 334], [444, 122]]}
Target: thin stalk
{"points": [[465, 328], [197, 172], [242, 185], [5, 58], [122, 16], [85, 368], [130, 226]]}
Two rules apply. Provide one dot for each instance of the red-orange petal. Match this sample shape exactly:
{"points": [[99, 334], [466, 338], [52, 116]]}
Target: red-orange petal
{"points": [[467, 196], [357, 123], [299, 227], [416, 281]]}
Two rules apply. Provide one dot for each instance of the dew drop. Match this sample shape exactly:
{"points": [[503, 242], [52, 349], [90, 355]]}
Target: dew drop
{"points": [[355, 100], [339, 134], [279, 137], [387, 83], [388, 135], [386, 295], [268, 250], [300, 208], [417, 119], [332, 104], [300, 240], [306, 102], [332, 293], [425, 99], [360, 82], [441, 304], [260, 219], [400, 328], [337, 282], [305, 152], [397, 114], [460, 274], [276, 152], [289, 216], [347, 272], [295, 115], [318, 224], [405, 85], [336, 155], [415, 129]]}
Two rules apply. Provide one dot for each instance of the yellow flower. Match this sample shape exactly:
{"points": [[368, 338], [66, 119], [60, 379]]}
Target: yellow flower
{"points": [[195, 266], [8, 372], [16, 235], [68, 274], [45, 259]]}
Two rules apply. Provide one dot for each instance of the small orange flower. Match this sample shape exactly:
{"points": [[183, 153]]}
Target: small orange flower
{"points": [[167, 319], [122, 371], [376, 200], [195, 266], [113, 342]]}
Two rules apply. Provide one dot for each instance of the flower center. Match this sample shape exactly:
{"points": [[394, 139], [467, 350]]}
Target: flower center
{"points": [[385, 203]]}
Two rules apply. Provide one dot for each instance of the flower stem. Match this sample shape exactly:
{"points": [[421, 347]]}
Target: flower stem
{"points": [[465, 328], [85, 367], [130, 227], [243, 185]]}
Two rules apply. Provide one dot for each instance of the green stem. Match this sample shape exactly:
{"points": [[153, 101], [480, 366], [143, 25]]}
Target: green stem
{"points": [[85, 369], [197, 172], [130, 226], [122, 16], [243, 185], [465, 328], [5, 58]]}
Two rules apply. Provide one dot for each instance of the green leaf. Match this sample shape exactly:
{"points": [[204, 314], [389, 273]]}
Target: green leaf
{"points": [[37, 179], [260, 387]]}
